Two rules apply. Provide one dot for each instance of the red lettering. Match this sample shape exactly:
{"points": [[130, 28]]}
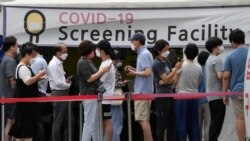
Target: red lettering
{"points": [[85, 18], [61, 18], [74, 18], [101, 18]]}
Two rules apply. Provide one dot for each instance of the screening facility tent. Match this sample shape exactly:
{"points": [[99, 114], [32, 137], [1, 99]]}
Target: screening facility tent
{"points": [[46, 22], [179, 21]]}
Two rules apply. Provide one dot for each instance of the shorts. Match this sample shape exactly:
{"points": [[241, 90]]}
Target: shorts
{"points": [[142, 110], [9, 111], [106, 111], [238, 106]]}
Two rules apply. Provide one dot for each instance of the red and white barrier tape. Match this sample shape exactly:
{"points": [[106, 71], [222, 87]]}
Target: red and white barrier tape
{"points": [[122, 97]]}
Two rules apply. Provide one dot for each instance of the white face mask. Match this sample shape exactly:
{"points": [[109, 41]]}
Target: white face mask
{"points": [[64, 56], [119, 64], [221, 48], [97, 53], [165, 54], [133, 47], [18, 51], [32, 60]]}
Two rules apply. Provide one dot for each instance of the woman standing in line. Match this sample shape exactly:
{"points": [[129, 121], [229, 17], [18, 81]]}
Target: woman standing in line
{"points": [[163, 81], [27, 114]]}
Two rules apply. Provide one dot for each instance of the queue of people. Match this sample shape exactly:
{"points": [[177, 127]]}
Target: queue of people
{"points": [[177, 120]]}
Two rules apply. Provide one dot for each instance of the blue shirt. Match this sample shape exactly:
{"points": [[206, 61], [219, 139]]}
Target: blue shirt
{"points": [[144, 60], [38, 65], [202, 85], [235, 63]]}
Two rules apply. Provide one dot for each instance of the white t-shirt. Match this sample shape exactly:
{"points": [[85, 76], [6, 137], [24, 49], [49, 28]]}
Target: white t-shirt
{"points": [[108, 80], [24, 72]]}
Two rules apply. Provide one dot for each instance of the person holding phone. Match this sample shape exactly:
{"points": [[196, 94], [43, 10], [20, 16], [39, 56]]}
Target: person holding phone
{"points": [[59, 86], [25, 127], [89, 81], [163, 81]]}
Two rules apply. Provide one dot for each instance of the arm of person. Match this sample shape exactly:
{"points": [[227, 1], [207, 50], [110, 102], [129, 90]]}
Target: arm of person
{"points": [[225, 85], [218, 68], [25, 75], [35, 78], [226, 78], [98, 74], [146, 65], [54, 75], [145, 73], [10, 73], [169, 79]]}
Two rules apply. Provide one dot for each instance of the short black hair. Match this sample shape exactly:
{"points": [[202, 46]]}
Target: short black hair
{"points": [[191, 51], [202, 57], [27, 48], [159, 45], [237, 36], [105, 46], [172, 58], [85, 47], [8, 42], [142, 42], [212, 43]]}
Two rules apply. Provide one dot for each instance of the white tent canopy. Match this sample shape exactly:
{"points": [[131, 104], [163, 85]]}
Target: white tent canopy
{"points": [[127, 3]]}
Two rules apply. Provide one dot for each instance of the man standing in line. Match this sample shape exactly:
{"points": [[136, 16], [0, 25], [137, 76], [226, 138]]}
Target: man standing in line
{"points": [[60, 87], [103, 50], [7, 79], [233, 77], [143, 82], [214, 84], [38, 64], [187, 111]]}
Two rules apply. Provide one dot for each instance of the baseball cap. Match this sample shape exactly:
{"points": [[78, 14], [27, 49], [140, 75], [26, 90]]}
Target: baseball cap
{"points": [[138, 36], [105, 46]]}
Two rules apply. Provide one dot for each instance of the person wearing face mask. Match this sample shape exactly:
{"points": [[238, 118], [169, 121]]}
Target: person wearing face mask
{"points": [[214, 75], [233, 77], [163, 80], [37, 64], [143, 82], [116, 106], [7, 79], [89, 81], [59, 86], [103, 49], [25, 127]]}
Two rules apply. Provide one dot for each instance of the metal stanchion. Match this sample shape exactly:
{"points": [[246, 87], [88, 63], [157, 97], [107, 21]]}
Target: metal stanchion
{"points": [[70, 119], [2, 120], [128, 97], [100, 97], [80, 120]]}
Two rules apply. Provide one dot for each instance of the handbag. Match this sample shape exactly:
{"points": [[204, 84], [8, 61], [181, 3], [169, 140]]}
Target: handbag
{"points": [[118, 92]]}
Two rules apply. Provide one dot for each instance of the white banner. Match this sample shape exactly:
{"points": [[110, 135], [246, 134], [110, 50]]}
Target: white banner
{"points": [[47, 26], [247, 97]]}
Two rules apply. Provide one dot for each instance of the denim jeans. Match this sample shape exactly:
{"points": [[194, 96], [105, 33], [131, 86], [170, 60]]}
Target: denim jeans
{"points": [[117, 122], [91, 122]]}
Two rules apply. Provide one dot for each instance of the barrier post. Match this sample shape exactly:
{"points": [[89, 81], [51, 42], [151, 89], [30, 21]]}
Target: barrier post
{"points": [[2, 120], [128, 98], [100, 97], [80, 120], [69, 123]]}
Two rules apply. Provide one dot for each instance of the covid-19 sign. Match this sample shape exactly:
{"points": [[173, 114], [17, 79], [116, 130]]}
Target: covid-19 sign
{"points": [[46, 26]]}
